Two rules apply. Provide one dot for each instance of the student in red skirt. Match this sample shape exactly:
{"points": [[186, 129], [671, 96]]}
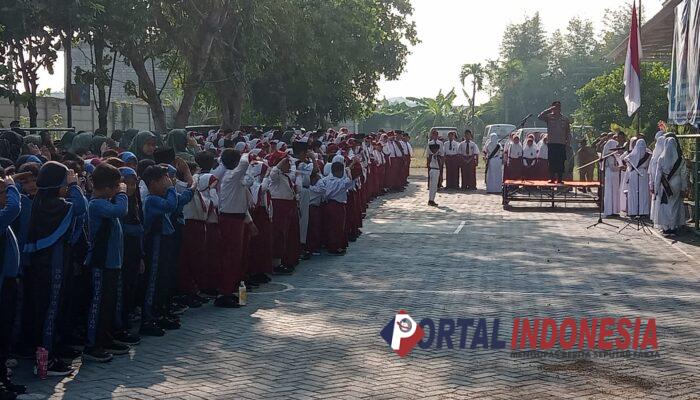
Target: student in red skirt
{"points": [[285, 215], [234, 222], [260, 247], [334, 189], [313, 235], [196, 259], [530, 158], [514, 163]]}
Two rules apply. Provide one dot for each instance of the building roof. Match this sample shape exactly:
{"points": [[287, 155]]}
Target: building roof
{"points": [[657, 36]]}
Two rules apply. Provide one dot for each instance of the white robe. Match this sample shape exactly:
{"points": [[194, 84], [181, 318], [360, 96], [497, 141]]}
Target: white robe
{"points": [[611, 200], [494, 177], [672, 214], [653, 164], [638, 196]]}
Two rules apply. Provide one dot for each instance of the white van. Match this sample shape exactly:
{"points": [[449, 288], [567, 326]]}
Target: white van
{"points": [[502, 130]]}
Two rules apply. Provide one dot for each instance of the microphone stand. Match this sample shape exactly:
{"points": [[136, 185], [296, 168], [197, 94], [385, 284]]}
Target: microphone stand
{"points": [[601, 189]]}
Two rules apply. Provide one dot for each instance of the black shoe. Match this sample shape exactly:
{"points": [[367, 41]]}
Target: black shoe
{"points": [[12, 387], [56, 367], [432, 203], [305, 255], [151, 329], [126, 338], [337, 252], [6, 394], [191, 301], [68, 354], [201, 299], [282, 270], [117, 349], [168, 324], [227, 301], [97, 355], [178, 309], [209, 293]]}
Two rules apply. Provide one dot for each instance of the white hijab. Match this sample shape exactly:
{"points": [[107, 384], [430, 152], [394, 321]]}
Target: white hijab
{"points": [[206, 187], [491, 143], [640, 149], [669, 156], [515, 150], [659, 147], [530, 150]]}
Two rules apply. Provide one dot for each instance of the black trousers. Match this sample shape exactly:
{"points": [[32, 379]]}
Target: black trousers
{"points": [[8, 299], [557, 157], [129, 281], [102, 306]]}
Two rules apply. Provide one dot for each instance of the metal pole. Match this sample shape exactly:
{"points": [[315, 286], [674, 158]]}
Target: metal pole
{"points": [[639, 38]]}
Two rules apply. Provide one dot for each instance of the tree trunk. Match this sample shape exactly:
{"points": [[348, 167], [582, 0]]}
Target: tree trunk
{"points": [[197, 64], [231, 104], [33, 112], [69, 78], [100, 78], [473, 101], [149, 91]]}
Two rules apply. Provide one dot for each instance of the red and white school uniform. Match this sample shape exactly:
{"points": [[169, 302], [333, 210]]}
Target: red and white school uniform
{"points": [[260, 247], [450, 148], [233, 218], [199, 260], [285, 218], [335, 191]]}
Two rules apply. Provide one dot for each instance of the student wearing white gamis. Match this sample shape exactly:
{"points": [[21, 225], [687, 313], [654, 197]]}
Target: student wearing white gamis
{"points": [[653, 164], [638, 196], [624, 177], [611, 199], [670, 185], [492, 153]]}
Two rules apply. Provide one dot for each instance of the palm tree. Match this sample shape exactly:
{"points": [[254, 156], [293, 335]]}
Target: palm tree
{"points": [[477, 72]]}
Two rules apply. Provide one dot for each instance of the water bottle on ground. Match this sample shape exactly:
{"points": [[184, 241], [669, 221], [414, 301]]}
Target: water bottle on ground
{"points": [[242, 294]]}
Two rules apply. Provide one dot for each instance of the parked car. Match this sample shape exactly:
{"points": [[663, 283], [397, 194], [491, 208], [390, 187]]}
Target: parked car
{"points": [[502, 130]]}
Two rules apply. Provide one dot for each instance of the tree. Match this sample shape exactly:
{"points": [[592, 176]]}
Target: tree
{"points": [[27, 47], [602, 99], [476, 71], [321, 72]]}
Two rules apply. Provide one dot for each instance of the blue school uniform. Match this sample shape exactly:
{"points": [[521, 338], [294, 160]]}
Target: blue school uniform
{"points": [[105, 253], [8, 244], [157, 226], [49, 256]]}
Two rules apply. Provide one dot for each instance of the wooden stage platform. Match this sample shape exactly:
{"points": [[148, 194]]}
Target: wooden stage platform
{"points": [[543, 192]]}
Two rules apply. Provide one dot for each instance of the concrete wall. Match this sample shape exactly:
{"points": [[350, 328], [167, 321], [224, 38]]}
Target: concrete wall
{"points": [[122, 115]]}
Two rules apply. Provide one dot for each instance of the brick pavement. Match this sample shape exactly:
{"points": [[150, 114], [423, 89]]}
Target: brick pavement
{"points": [[319, 337]]}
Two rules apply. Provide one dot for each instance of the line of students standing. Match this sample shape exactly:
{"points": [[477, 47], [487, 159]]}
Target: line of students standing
{"points": [[644, 183], [88, 235]]}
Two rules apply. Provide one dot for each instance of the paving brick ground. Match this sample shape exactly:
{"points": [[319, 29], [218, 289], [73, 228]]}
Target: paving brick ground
{"points": [[319, 337]]}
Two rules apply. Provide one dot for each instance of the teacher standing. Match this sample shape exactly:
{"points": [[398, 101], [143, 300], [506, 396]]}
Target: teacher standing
{"points": [[558, 133]]}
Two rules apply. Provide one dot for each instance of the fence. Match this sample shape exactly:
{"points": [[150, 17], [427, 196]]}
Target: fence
{"points": [[695, 182], [52, 114]]}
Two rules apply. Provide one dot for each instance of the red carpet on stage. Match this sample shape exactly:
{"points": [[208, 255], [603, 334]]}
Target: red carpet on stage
{"points": [[580, 184]]}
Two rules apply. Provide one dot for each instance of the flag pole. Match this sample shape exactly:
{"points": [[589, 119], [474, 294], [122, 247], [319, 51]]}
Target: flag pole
{"points": [[639, 38]]}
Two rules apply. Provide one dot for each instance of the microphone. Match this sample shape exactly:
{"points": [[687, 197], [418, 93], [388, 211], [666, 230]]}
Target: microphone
{"points": [[522, 123]]}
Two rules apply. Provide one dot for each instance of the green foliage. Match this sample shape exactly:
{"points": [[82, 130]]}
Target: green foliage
{"points": [[421, 114], [603, 103]]}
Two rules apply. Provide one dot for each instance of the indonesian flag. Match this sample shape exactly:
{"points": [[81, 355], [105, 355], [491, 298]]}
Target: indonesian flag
{"points": [[633, 72]]}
